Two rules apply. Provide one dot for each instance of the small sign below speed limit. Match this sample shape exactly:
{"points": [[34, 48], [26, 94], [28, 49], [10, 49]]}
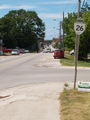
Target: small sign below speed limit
{"points": [[79, 28]]}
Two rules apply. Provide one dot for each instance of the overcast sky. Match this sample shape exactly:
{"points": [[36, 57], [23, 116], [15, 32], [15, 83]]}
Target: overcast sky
{"points": [[47, 10]]}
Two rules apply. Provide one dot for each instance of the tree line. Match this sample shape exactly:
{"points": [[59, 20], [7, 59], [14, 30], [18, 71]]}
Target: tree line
{"points": [[70, 37], [20, 28]]}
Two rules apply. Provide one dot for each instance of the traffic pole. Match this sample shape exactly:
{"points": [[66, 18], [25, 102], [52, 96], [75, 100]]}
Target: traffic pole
{"points": [[76, 48], [60, 35], [63, 31]]}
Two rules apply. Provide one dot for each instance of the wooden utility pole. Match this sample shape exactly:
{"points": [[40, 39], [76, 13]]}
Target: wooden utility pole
{"points": [[60, 35], [76, 47], [63, 31]]}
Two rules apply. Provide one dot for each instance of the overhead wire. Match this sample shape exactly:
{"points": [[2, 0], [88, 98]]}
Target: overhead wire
{"points": [[76, 7], [67, 5], [52, 30]]}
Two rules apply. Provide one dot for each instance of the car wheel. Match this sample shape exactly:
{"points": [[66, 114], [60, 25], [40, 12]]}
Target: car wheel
{"points": [[54, 57], [72, 54]]}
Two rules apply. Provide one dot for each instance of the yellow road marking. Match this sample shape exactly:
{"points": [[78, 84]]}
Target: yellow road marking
{"points": [[15, 61]]}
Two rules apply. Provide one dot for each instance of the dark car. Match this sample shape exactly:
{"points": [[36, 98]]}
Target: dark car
{"points": [[58, 53]]}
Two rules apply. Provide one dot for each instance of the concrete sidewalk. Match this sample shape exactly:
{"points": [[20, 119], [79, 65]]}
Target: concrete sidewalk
{"points": [[50, 62], [32, 102]]}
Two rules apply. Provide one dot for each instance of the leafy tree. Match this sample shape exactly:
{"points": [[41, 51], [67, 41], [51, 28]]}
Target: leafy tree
{"points": [[84, 43], [85, 7], [69, 30], [58, 45], [85, 37], [49, 41], [21, 28]]}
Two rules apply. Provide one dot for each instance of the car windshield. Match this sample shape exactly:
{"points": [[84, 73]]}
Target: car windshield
{"points": [[14, 50], [58, 50]]}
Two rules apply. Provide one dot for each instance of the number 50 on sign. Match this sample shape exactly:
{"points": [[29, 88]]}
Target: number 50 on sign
{"points": [[79, 28]]}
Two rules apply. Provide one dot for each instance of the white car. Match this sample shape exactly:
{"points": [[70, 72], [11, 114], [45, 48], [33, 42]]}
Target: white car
{"points": [[26, 51], [72, 52], [47, 50], [15, 52]]}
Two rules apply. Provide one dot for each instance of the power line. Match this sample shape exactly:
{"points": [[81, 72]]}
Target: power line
{"points": [[76, 7], [67, 5]]}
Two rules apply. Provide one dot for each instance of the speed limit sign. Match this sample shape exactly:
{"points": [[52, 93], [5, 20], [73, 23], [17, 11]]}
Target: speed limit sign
{"points": [[79, 28]]}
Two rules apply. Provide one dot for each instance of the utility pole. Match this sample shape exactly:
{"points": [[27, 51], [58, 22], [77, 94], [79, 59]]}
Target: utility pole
{"points": [[63, 31], [60, 35], [76, 47]]}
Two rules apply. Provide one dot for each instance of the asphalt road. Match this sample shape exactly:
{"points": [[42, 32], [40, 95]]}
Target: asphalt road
{"points": [[36, 68]]}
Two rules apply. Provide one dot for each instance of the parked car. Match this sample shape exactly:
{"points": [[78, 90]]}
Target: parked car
{"points": [[58, 53], [72, 52], [26, 51], [15, 52], [6, 50], [21, 50]]}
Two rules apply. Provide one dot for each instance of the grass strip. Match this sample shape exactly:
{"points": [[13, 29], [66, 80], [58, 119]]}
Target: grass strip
{"points": [[68, 60], [75, 105], [6, 54]]}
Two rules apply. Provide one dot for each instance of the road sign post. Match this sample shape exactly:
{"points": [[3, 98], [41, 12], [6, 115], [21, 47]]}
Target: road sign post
{"points": [[79, 28]]}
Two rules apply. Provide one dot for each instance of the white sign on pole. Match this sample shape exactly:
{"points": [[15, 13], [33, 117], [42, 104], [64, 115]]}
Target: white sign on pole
{"points": [[79, 28]]}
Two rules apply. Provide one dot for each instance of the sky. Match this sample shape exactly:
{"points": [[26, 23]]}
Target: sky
{"points": [[50, 11]]}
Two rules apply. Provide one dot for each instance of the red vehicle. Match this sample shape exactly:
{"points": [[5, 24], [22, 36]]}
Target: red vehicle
{"points": [[58, 53], [6, 50], [21, 50]]}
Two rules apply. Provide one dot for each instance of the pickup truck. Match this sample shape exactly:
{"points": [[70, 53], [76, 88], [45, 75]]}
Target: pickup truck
{"points": [[6, 50]]}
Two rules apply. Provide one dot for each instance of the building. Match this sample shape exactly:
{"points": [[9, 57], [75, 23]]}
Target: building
{"points": [[55, 39]]}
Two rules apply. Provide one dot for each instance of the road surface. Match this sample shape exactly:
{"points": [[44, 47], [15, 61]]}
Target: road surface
{"points": [[36, 68], [34, 83]]}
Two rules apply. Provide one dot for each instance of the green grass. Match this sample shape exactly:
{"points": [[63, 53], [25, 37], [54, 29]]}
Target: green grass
{"points": [[6, 54], [68, 60], [75, 105]]}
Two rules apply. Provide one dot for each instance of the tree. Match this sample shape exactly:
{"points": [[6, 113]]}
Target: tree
{"points": [[85, 7], [58, 45], [69, 30], [84, 43], [85, 37], [21, 28]]}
